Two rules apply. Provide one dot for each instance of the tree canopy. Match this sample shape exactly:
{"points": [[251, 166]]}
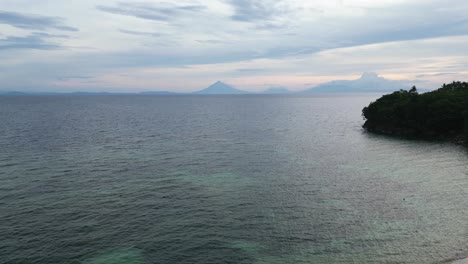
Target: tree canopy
{"points": [[439, 113]]}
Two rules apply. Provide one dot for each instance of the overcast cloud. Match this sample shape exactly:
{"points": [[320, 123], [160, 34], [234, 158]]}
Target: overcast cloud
{"points": [[186, 45]]}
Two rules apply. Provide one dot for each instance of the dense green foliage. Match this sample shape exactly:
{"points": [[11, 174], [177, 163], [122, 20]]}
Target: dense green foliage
{"points": [[440, 113]]}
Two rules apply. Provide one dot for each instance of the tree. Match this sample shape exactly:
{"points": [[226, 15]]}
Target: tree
{"points": [[439, 113]]}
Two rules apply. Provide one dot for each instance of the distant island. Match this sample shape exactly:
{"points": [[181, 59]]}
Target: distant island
{"points": [[369, 82], [442, 113], [220, 88]]}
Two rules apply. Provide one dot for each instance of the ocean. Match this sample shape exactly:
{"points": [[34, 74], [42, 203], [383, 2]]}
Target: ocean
{"points": [[107, 179]]}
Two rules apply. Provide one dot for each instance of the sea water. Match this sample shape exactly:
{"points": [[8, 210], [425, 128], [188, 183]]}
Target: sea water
{"points": [[105, 179]]}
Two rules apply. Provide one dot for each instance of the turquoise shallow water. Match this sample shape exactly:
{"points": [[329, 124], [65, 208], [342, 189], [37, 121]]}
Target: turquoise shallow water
{"points": [[221, 179]]}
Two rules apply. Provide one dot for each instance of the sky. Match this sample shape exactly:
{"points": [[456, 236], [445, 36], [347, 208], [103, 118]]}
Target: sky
{"points": [[183, 46]]}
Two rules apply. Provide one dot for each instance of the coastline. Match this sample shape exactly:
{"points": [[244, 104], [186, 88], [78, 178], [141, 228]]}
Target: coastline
{"points": [[455, 138], [459, 261]]}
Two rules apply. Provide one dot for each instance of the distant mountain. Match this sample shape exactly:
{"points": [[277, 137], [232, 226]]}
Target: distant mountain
{"points": [[276, 90], [368, 83], [220, 88]]}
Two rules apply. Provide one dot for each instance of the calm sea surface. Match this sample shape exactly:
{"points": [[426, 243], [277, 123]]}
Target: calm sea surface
{"points": [[221, 179]]}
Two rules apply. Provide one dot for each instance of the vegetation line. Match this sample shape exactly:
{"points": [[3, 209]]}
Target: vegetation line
{"points": [[442, 113]]}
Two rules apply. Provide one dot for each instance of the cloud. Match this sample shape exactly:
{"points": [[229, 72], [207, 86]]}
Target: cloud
{"points": [[212, 41], [255, 10], [161, 12], [140, 33], [404, 21], [31, 21], [263, 14], [251, 70], [33, 41], [47, 35], [74, 77], [437, 74], [290, 42]]}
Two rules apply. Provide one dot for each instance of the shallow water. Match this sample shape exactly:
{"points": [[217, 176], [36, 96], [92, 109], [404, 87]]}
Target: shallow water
{"points": [[221, 179]]}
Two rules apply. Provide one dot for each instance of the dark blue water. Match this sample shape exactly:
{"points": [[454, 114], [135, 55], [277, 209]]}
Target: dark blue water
{"points": [[221, 179]]}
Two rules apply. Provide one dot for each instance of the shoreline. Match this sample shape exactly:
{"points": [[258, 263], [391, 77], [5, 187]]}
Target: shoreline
{"points": [[457, 139], [458, 261]]}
